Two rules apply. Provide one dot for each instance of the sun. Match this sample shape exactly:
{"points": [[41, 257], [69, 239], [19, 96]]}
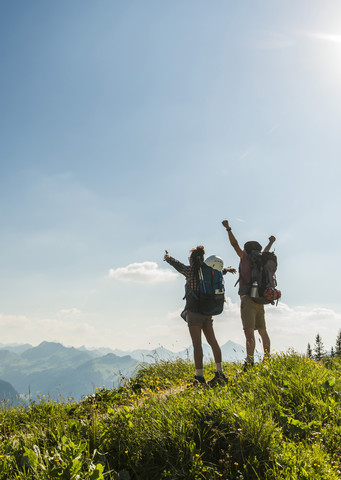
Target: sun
{"points": [[325, 53]]}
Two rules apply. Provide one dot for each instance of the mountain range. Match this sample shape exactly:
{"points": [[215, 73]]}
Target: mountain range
{"points": [[51, 370]]}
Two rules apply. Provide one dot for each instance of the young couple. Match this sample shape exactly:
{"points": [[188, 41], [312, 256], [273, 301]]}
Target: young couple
{"points": [[252, 314]]}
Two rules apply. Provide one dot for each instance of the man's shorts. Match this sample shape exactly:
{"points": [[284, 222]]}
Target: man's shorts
{"points": [[198, 319], [252, 313]]}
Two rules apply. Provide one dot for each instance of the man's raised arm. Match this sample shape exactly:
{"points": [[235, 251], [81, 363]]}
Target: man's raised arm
{"points": [[232, 238], [272, 240]]}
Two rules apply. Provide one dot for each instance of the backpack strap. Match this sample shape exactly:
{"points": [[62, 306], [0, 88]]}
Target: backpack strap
{"points": [[189, 291], [201, 280], [202, 286]]}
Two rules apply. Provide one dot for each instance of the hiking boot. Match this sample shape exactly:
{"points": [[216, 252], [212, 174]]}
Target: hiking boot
{"points": [[199, 380], [247, 366], [219, 379]]}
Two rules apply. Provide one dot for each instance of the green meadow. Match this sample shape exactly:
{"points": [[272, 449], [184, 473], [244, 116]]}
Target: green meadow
{"points": [[279, 420]]}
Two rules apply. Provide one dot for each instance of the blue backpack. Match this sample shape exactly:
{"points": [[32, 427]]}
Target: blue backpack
{"points": [[212, 290]]}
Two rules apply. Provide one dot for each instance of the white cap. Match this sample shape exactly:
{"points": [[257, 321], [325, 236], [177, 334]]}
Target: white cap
{"points": [[215, 262]]}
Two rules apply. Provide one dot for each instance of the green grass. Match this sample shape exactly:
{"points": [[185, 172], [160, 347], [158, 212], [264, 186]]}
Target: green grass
{"points": [[280, 420]]}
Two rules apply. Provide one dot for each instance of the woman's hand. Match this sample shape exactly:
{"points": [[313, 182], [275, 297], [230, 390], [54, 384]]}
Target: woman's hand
{"points": [[229, 270], [167, 256]]}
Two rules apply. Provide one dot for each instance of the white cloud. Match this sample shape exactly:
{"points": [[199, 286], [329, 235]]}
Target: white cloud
{"points": [[146, 272], [70, 312], [12, 324], [288, 327], [294, 327], [24, 329], [173, 315]]}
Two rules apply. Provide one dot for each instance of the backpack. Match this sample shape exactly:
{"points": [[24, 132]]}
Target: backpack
{"points": [[264, 266], [212, 290], [263, 276]]}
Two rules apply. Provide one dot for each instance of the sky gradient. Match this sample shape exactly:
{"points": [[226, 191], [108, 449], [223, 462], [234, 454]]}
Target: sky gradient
{"points": [[128, 128]]}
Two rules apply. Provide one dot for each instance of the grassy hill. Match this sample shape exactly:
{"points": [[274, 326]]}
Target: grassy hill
{"points": [[279, 420]]}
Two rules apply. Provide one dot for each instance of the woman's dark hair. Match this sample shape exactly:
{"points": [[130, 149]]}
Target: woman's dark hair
{"points": [[197, 255]]}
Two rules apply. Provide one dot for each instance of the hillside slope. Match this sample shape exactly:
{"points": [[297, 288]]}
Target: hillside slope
{"points": [[279, 420]]}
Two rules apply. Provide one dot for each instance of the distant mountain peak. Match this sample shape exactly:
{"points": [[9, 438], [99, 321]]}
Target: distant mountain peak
{"points": [[45, 343]]}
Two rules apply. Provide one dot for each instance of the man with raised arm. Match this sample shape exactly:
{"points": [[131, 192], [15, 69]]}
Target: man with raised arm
{"points": [[252, 313]]}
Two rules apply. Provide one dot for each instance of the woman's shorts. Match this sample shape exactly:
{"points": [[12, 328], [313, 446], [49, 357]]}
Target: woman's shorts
{"points": [[252, 313], [198, 319]]}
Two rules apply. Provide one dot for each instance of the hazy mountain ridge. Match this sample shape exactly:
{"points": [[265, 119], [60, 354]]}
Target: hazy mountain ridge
{"points": [[15, 347], [232, 352], [60, 372], [7, 392]]}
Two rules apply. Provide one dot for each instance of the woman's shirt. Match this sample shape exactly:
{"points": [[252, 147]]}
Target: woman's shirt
{"points": [[192, 283]]}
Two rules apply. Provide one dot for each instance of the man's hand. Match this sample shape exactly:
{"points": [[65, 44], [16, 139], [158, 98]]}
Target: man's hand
{"points": [[232, 239], [272, 239], [167, 256]]}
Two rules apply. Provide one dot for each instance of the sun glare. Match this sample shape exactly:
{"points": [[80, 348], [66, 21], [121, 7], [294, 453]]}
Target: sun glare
{"points": [[327, 37], [326, 51]]}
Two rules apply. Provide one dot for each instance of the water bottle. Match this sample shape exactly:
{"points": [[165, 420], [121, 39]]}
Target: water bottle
{"points": [[254, 290]]}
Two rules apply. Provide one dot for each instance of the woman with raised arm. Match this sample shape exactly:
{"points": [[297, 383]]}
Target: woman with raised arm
{"points": [[198, 322]]}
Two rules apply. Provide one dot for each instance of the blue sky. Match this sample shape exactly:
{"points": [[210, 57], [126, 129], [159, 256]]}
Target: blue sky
{"points": [[128, 128]]}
